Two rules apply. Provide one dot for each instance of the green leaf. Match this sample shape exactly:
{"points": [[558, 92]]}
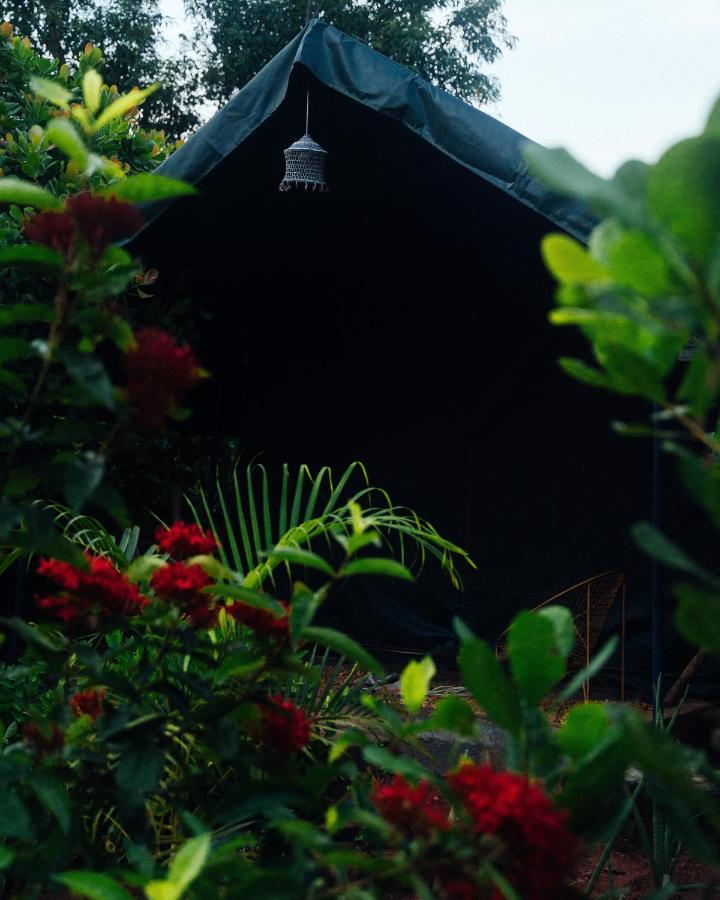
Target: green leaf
{"points": [[373, 565], [656, 545], [63, 134], [7, 857], [485, 679], [249, 597], [92, 90], [453, 714], [584, 728], [415, 683], [32, 635], [83, 475], [698, 616], [401, 765], [21, 313], [139, 768], [630, 372], [300, 557], [14, 818], [31, 256], [581, 371], [14, 348], [24, 193], [93, 885], [89, 372], [562, 622], [535, 658], [52, 91], [51, 792], [570, 262], [145, 188], [345, 645], [189, 861], [684, 194], [587, 672], [563, 174], [697, 386], [122, 106], [632, 259]]}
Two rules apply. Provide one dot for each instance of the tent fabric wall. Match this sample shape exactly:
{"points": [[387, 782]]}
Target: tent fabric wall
{"points": [[402, 320]]}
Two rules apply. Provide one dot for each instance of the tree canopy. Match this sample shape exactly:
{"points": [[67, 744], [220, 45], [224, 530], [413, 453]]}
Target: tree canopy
{"points": [[447, 42]]}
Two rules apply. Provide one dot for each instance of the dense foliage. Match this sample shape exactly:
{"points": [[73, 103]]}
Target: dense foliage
{"points": [[131, 33], [445, 41]]}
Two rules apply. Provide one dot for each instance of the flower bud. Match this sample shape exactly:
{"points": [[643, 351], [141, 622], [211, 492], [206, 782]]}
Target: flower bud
{"points": [[26, 43], [9, 138], [64, 72], [36, 134], [88, 49], [6, 30], [72, 169]]}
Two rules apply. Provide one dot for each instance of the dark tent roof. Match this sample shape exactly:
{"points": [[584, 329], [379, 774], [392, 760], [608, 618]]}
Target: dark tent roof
{"points": [[472, 138]]}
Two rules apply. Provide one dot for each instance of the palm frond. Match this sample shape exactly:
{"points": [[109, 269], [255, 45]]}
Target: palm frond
{"points": [[249, 520]]}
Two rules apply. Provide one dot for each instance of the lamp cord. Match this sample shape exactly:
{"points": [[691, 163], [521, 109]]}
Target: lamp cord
{"points": [[307, 113]]}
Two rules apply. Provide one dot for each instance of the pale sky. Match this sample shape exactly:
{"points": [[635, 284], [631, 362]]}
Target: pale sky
{"points": [[608, 79]]}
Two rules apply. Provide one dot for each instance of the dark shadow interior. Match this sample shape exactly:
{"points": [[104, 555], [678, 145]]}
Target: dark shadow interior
{"points": [[402, 320]]}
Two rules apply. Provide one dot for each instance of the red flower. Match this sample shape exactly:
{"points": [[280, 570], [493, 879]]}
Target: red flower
{"points": [[158, 371], [101, 587], [56, 230], [182, 584], [261, 621], [283, 726], [88, 703], [540, 851], [44, 739], [102, 220], [99, 220], [459, 889], [182, 540], [415, 810]]}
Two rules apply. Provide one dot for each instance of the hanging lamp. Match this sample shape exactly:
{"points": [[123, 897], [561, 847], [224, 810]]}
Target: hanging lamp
{"points": [[305, 162]]}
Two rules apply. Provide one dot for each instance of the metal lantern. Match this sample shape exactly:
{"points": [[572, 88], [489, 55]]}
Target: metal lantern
{"points": [[305, 163]]}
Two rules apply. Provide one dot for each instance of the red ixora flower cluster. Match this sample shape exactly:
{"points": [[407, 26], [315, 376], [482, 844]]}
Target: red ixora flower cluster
{"points": [[182, 541], [88, 703], [263, 623], [97, 219], [416, 810], [183, 585], [283, 726], [100, 588], [539, 851], [43, 739], [159, 371]]}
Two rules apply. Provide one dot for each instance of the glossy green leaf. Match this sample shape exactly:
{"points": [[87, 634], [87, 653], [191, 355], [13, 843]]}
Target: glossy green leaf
{"points": [[698, 616], [300, 557], [373, 565], [14, 348], [684, 194], [62, 133], [562, 622], [535, 658], [484, 677], [698, 386], [139, 768], [632, 259], [345, 645], [31, 256], [92, 90], [249, 597], [122, 106], [145, 188], [570, 262], [581, 371], [400, 765], [453, 714], [584, 728], [52, 91], [24, 193], [189, 861], [655, 544], [630, 372], [415, 682], [7, 856], [93, 885], [21, 313]]}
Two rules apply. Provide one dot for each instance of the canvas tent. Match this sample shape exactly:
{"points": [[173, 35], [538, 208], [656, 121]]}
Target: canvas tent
{"points": [[402, 320]]}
